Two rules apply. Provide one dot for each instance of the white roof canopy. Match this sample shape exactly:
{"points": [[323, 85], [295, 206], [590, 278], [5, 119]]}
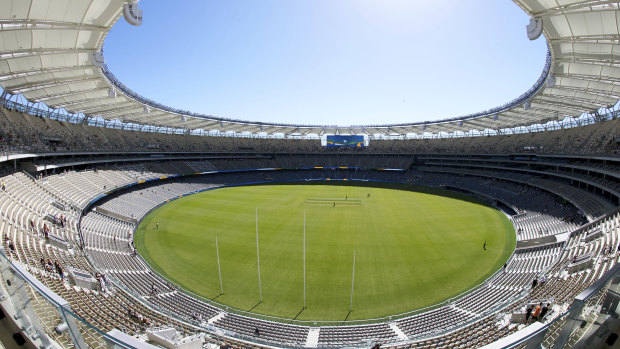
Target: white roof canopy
{"points": [[47, 48]]}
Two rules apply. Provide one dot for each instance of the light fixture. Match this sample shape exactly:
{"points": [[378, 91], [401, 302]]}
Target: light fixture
{"points": [[534, 28], [132, 13], [61, 328], [97, 59]]}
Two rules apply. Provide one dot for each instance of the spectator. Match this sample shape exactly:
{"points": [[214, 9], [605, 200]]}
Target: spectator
{"points": [[60, 272], [49, 266], [528, 313], [544, 311], [542, 281], [101, 280], [537, 311]]}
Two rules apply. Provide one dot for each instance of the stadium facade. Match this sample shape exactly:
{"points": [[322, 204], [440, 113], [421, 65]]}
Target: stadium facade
{"points": [[85, 158]]}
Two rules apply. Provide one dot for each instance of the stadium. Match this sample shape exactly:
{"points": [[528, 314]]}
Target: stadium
{"points": [[129, 223]]}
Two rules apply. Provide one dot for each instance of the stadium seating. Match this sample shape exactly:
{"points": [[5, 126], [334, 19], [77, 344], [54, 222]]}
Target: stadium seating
{"points": [[19, 135], [564, 208]]}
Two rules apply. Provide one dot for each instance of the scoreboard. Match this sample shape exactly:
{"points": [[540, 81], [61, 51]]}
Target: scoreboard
{"points": [[345, 141]]}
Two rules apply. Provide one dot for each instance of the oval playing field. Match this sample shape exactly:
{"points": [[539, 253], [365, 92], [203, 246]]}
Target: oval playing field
{"points": [[413, 246]]}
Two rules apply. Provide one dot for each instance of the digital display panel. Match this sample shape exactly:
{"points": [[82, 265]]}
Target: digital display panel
{"points": [[345, 141]]}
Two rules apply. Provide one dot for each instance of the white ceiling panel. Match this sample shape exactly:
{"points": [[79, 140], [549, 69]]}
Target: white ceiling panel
{"points": [[46, 48]]}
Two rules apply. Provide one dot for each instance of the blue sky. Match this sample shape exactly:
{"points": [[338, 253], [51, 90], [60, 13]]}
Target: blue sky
{"points": [[344, 62]]}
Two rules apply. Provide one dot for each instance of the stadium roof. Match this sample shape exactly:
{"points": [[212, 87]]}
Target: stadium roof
{"points": [[51, 52]]}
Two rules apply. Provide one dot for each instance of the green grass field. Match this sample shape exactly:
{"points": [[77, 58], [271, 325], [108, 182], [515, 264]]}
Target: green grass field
{"points": [[413, 248]]}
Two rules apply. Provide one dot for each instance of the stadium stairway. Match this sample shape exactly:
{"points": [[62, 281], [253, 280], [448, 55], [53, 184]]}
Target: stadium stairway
{"points": [[312, 341]]}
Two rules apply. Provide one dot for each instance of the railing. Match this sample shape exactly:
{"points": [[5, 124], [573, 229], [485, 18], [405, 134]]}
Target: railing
{"points": [[30, 304], [27, 300], [558, 332]]}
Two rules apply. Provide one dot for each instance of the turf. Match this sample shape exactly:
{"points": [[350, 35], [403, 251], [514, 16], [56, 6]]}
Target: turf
{"points": [[412, 248]]}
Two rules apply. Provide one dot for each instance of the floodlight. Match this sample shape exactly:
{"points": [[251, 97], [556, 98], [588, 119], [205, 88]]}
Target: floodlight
{"points": [[534, 28], [62, 328]]}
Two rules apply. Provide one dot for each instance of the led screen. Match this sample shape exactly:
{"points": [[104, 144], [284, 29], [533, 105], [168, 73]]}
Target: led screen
{"points": [[345, 141]]}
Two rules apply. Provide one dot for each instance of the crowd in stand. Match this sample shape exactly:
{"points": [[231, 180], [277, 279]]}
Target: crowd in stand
{"points": [[53, 268], [138, 317], [536, 312]]}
